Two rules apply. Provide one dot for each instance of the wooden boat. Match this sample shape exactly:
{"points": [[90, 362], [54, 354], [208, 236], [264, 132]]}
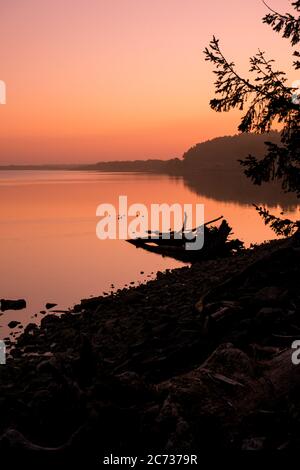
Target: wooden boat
{"points": [[172, 244]]}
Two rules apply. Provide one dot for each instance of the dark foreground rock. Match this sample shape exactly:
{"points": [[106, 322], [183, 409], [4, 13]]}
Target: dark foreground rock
{"points": [[6, 304], [50, 305], [13, 324], [198, 360]]}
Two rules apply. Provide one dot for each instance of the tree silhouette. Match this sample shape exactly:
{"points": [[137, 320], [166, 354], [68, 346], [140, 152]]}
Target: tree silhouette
{"points": [[266, 99]]}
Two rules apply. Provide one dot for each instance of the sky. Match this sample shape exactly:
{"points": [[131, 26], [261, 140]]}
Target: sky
{"points": [[101, 80]]}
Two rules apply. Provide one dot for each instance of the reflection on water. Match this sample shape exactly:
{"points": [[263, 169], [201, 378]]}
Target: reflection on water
{"points": [[233, 186], [49, 249]]}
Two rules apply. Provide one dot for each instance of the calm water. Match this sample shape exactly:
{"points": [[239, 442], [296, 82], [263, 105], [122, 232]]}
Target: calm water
{"points": [[49, 250]]}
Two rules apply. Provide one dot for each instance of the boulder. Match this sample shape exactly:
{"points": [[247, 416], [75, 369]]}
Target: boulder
{"points": [[12, 304], [270, 296], [50, 305], [13, 324]]}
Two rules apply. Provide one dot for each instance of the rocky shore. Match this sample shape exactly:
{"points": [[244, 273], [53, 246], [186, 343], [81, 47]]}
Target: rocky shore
{"points": [[197, 360]]}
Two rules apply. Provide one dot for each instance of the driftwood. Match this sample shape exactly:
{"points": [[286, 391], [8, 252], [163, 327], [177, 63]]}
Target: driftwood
{"points": [[228, 387], [174, 238], [171, 235], [216, 243]]}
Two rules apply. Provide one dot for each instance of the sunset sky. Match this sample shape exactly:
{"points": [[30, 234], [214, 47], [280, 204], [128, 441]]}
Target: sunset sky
{"points": [[120, 79]]}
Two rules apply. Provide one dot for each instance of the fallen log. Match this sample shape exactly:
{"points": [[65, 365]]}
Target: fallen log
{"points": [[225, 390], [216, 243]]}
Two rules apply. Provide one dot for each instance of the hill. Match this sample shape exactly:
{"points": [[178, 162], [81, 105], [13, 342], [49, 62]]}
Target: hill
{"points": [[224, 152], [219, 153]]}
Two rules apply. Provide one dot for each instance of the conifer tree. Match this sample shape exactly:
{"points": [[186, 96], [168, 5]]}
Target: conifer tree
{"points": [[265, 99]]}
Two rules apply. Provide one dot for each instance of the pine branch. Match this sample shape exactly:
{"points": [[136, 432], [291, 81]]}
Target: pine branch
{"points": [[282, 227], [268, 99], [287, 24]]}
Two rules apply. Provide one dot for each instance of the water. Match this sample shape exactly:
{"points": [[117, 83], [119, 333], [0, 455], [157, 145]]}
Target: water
{"points": [[49, 250]]}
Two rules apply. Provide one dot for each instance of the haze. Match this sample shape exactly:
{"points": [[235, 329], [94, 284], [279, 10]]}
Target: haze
{"points": [[120, 79]]}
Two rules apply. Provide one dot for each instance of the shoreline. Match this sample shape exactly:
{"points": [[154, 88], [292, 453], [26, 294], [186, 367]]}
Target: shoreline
{"points": [[113, 364]]}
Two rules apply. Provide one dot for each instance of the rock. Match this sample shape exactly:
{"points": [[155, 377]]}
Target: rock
{"points": [[60, 311], [89, 304], [254, 443], [13, 324], [13, 442], [219, 315], [270, 295], [30, 329], [132, 297], [50, 305], [141, 373], [49, 321], [264, 352], [12, 304], [15, 353], [42, 395], [228, 360], [30, 348], [86, 365], [269, 314], [46, 366]]}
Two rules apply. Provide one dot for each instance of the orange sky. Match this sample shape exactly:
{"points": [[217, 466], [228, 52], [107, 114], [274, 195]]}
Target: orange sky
{"points": [[120, 79]]}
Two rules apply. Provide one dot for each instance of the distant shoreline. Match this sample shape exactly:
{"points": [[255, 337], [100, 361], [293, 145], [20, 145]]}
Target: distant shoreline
{"points": [[221, 153], [220, 183], [107, 167], [149, 166]]}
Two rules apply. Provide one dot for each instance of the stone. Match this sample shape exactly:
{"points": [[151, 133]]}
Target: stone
{"points": [[12, 304], [30, 329], [254, 443], [50, 305], [49, 321], [13, 324], [269, 295], [269, 313]]}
